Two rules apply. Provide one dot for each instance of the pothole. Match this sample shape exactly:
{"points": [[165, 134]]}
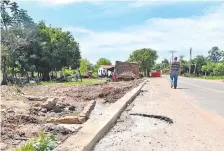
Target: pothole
{"points": [[160, 117], [144, 91]]}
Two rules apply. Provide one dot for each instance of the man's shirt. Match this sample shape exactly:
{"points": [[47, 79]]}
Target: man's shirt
{"points": [[175, 66]]}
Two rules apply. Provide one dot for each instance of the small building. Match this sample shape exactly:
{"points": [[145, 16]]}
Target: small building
{"points": [[106, 70]]}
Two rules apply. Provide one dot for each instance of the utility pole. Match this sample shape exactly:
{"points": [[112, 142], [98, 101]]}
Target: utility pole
{"points": [[172, 52], [190, 61]]}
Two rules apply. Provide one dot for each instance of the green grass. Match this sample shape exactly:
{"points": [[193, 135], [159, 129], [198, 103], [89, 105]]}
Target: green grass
{"points": [[209, 77], [84, 82], [212, 77]]}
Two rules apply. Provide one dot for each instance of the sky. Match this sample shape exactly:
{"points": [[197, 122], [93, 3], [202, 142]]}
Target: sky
{"points": [[114, 29]]}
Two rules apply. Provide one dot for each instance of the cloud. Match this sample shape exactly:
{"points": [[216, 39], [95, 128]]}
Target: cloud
{"points": [[59, 2], [199, 32], [141, 3]]}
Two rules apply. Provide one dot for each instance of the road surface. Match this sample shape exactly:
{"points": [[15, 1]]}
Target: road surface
{"points": [[208, 94], [193, 128]]}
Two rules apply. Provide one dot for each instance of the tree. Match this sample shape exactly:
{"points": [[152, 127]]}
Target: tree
{"points": [[55, 49], [6, 19], [208, 68], [219, 69], [158, 67], [95, 70], [29, 47], [197, 64], [166, 63], [145, 57], [183, 65], [85, 66], [16, 32], [204, 68], [103, 61], [215, 55]]}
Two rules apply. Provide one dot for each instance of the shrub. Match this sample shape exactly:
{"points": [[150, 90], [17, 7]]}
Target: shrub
{"points": [[43, 143], [68, 72], [95, 74]]}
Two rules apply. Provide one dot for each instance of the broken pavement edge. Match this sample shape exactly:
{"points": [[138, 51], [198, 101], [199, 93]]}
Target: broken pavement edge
{"points": [[92, 131]]}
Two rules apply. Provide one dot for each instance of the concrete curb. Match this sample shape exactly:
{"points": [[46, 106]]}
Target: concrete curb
{"points": [[93, 131]]}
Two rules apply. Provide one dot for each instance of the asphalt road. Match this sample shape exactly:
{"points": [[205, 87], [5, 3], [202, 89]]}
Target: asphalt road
{"points": [[207, 94], [192, 129]]}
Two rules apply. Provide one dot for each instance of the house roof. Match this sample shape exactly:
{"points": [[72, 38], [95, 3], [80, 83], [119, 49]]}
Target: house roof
{"points": [[107, 66]]}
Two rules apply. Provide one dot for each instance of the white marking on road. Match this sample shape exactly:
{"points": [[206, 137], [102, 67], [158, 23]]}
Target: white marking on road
{"points": [[209, 89]]}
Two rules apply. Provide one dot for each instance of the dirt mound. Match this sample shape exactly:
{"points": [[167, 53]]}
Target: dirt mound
{"points": [[11, 92], [20, 119], [127, 74]]}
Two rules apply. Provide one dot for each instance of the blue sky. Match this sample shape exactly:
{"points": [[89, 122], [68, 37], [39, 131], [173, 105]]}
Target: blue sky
{"points": [[113, 29]]}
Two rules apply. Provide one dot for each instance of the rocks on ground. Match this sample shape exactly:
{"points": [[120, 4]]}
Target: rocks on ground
{"points": [[49, 104], [62, 128], [27, 108], [79, 119]]}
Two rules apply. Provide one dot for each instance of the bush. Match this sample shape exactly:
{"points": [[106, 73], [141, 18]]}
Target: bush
{"points": [[43, 143], [68, 72], [186, 75], [95, 74]]}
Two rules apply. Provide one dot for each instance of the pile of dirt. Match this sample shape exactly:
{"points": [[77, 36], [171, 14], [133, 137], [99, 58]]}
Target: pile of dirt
{"points": [[9, 93], [127, 74], [17, 119], [17, 128], [20, 114]]}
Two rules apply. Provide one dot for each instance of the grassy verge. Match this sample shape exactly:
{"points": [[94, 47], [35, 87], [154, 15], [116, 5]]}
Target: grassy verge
{"points": [[212, 77], [84, 82], [208, 77]]}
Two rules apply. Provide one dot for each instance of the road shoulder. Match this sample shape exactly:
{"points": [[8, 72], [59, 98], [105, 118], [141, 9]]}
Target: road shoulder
{"points": [[193, 127], [93, 131]]}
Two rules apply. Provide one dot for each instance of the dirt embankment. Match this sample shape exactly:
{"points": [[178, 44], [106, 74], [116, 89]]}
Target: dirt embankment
{"points": [[24, 111]]}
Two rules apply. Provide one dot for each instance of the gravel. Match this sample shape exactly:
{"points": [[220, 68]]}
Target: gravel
{"points": [[193, 128]]}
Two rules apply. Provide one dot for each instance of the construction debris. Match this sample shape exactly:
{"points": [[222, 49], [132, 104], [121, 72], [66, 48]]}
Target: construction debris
{"points": [[58, 103]]}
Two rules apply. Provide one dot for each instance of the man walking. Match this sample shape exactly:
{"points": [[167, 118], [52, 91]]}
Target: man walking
{"points": [[174, 71]]}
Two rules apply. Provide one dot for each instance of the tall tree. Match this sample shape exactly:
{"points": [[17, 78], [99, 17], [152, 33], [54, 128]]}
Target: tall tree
{"points": [[145, 57], [15, 36], [103, 61], [6, 19], [197, 63], [215, 55], [30, 47], [57, 49]]}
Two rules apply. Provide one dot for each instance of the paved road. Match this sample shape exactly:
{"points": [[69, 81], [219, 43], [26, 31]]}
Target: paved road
{"points": [[208, 94], [193, 129]]}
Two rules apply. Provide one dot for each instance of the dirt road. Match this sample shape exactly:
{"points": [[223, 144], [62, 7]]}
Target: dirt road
{"points": [[193, 129]]}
